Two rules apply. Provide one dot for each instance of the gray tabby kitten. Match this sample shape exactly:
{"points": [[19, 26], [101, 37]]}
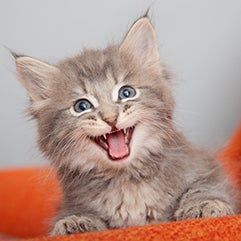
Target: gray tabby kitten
{"points": [[105, 122]]}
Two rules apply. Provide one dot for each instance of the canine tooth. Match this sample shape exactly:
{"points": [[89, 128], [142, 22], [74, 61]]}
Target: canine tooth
{"points": [[104, 136], [124, 131]]}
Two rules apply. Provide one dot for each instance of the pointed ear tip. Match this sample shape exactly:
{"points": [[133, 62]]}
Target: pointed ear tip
{"points": [[18, 56], [145, 20], [14, 54], [25, 60], [146, 14], [19, 60]]}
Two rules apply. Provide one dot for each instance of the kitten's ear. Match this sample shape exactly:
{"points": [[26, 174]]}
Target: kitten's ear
{"points": [[35, 76], [140, 41]]}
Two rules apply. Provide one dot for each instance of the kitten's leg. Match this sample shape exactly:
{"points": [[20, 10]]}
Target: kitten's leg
{"points": [[204, 200], [77, 224]]}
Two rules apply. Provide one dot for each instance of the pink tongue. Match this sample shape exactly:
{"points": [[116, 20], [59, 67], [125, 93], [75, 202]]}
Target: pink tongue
{"points": [[118, 148]]}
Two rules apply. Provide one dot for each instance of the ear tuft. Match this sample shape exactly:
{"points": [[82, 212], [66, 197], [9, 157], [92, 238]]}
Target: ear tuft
{"points": [[14, 54], [140, 42], [35, 76], [146, 14]]}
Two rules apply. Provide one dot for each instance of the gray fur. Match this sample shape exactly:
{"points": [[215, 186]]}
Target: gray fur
{"points": [[165, 178]]}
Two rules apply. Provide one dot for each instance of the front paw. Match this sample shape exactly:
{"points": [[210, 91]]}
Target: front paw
{"points": [[75, 224], [204, 209]]}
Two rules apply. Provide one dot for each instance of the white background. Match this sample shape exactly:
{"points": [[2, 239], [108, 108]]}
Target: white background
{"points": [[199, 40]]}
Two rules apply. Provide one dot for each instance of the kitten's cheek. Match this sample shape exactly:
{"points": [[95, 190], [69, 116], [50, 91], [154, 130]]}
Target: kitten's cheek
{"points": [[141, 141], [125, 120]]}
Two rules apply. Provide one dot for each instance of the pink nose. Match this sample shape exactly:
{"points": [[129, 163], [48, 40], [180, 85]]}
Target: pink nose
{"points": [[111, 120]]}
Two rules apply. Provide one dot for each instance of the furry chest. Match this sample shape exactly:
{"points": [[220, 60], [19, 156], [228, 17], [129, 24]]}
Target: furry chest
{"points": [[133, 206]]}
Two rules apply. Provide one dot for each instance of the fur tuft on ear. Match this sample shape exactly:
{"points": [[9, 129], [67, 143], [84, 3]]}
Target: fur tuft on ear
{"points": [[146, 14], [35, 76], [140, 42]]}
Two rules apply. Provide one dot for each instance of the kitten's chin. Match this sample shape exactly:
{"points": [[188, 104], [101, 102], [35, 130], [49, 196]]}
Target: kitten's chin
{"points": [[116, 144]]}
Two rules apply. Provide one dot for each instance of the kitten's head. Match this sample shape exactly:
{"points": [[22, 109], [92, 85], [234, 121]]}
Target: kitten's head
{"points": [[106, 108]]}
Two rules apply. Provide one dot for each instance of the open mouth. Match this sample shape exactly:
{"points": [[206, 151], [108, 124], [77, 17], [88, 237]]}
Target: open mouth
{"points": [[116, 143]]}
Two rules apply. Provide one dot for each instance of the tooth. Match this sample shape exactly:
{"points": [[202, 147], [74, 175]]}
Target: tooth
{"points": [[124, 131], [104, 136]]}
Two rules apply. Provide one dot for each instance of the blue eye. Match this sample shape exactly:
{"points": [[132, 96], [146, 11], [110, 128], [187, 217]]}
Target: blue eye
{"points": [[126, 92], [82, 105]]}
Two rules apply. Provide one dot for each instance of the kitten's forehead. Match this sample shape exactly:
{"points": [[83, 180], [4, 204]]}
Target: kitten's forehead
{"points": [[94, 72], [104, 89]]}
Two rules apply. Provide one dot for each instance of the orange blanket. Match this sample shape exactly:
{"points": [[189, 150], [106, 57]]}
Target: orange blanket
{"points": [[29, 197]]}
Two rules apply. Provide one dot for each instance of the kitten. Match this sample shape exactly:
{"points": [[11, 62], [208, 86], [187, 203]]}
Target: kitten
{"points": [[105, 122]]}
